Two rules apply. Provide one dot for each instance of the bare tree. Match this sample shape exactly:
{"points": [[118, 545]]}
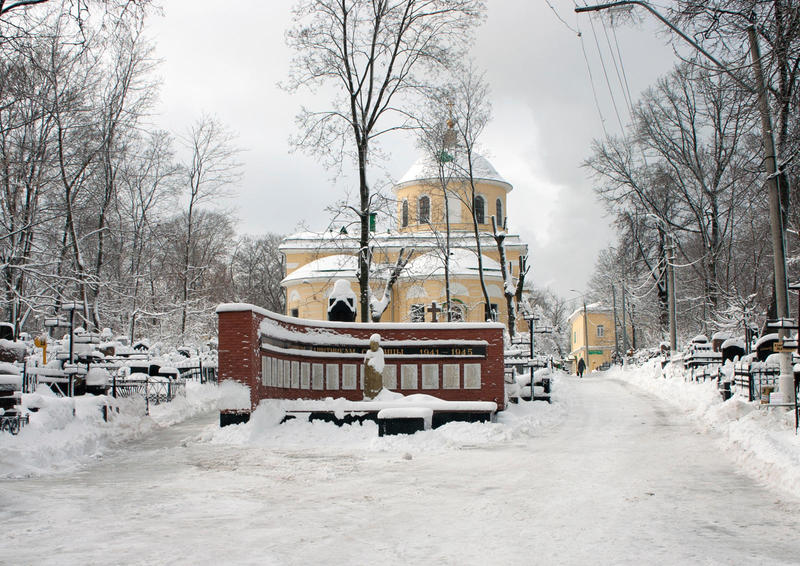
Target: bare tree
{"points": [[470, 96], [211, 172], [376, 52], [690, 162], [257, 270]]}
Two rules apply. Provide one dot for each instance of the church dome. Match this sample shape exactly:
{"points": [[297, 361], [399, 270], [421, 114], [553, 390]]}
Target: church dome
{"points": [[425, 168]]}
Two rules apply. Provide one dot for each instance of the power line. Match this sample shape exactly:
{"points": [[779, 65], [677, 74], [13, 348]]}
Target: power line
{"points": [[569, 27], [605, 73], [625, 94], [591, 82]]}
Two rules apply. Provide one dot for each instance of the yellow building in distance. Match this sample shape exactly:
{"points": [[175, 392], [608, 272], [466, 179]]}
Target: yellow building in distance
{"points": [[315, 261], [598, 325]]}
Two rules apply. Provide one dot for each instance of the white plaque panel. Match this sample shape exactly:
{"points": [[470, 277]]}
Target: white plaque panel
{"points": [[305, 375], [450, 376], [287, 376], [408, 376], [295, 375], [430, 376], [349, 376], [264, 374], [472, 376], [318, 377], [390, 376], [279, 364], [274, 373], [331, 376]]}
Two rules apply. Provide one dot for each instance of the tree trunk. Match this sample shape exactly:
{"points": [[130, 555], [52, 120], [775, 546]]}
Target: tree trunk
{"points": [[363, 254]]}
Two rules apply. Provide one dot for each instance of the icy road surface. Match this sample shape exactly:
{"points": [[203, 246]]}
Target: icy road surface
{"points": [[621, 479]]}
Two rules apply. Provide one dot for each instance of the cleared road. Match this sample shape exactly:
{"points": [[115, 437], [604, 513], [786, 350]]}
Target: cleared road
{"points": [[622, 479]]}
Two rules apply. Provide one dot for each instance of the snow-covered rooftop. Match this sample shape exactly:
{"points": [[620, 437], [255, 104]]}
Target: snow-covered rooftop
{"points": [[340, 265], [462, 263], [388, 240]]}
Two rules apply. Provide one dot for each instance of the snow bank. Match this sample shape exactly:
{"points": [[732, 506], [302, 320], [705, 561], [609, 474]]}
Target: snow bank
{"points": [[517, 423], [761, 441], [66, 433]]}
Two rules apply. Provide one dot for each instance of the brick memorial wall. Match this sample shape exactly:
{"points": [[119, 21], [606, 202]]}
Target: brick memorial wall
{"points": [[281, 357]]}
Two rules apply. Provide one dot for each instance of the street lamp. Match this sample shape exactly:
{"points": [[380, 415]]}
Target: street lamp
{"points": [[786, 380], [531, 319]]}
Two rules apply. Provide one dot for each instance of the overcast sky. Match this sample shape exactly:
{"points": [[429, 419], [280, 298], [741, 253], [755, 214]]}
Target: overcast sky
{"points": [[226, 59]]}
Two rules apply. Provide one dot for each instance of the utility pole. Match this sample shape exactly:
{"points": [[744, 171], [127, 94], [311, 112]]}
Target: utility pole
{"points": [[786, 379], [616, 321]]}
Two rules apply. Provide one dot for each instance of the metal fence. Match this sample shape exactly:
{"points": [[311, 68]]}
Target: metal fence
{"points": [[751, 379]]}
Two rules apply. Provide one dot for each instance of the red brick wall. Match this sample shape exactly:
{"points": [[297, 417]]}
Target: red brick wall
{"points": [[240, 357]]}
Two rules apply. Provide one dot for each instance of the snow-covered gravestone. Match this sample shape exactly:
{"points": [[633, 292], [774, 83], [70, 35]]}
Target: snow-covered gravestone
{"points": [[342, 302], [373, 368]]}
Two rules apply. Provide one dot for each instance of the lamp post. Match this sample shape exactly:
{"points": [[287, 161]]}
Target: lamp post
{"points": [[531, 319], [777, 231]]}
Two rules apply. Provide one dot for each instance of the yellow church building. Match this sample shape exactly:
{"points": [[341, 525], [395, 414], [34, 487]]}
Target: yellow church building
{"points": [[315, 261]]}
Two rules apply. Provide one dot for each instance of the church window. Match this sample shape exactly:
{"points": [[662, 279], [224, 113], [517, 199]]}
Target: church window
{"points": [[424, 210], [495, 311], [295, 312], [405, 213], [600, 330], [499, 206], [417, 313], [480, 210]]}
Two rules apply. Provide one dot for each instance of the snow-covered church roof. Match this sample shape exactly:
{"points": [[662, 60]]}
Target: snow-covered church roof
{"points": [[328, 267], [462, 263], [426, 169]]}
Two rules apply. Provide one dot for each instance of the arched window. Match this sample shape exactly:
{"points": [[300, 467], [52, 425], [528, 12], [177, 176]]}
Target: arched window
{"points": [[499, 210], [405, 213], [480, 210], [424, 209]]}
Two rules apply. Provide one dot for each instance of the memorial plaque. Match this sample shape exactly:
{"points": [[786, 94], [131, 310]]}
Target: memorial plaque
{"points": [[450, 376], [349, 376], [408, 376], [332, 376], [296, 375], [305, 375], [318, 377], [472, 376], [430, 376], [390, 376]]}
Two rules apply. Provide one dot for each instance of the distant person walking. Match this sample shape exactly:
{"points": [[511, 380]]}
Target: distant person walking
{"points": [[581, 367]]}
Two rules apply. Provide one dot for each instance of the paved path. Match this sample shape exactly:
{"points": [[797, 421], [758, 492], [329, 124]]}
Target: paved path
{"points": [[622, 480]]}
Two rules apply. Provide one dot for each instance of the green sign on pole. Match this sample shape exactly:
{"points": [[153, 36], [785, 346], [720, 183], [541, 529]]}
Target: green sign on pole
{"points": [[595, 352]]}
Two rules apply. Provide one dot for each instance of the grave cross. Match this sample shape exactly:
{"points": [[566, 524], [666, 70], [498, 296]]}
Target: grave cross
{"points": [[434, 309]]}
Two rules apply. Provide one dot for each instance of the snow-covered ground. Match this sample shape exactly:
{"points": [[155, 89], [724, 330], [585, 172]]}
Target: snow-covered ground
{"points": [[607, 474], [762, 441]]}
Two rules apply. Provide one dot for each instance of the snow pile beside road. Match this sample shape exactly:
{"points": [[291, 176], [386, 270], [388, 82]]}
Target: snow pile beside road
{"points": [[66, 433], [761, 441], [517, 422]]}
